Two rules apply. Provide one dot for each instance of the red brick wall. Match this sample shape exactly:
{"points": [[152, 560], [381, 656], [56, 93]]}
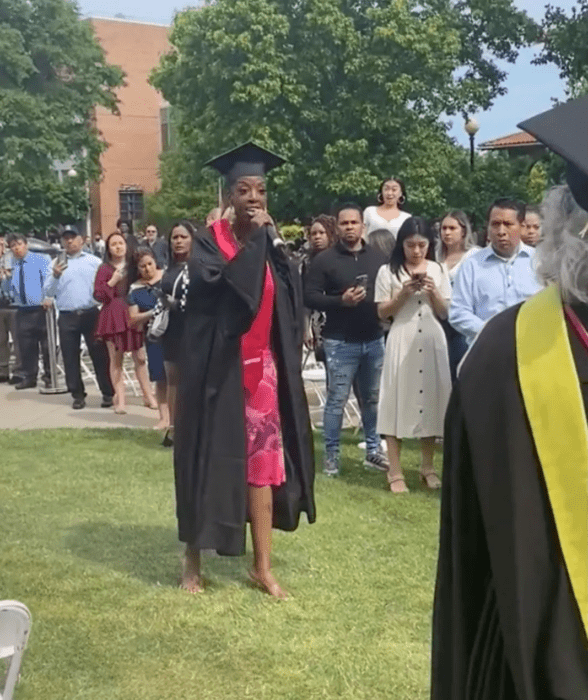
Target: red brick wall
{"points": [[134, 137]]}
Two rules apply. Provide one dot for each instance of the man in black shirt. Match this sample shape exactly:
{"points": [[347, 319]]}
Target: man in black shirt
{"points": [[340, 281]]}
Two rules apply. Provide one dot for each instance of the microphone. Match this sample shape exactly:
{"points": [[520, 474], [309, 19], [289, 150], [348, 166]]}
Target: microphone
{"points": [[277, 242]]}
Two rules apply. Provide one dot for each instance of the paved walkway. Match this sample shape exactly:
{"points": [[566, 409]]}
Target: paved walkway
{"points": [[29, 409]]}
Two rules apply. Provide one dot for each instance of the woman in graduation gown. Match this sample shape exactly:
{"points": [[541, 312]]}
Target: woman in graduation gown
{"points": [[243, 443], [511, 605]]}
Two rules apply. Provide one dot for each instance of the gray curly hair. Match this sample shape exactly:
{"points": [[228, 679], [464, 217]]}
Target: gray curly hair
{"points": [[562, 256]]}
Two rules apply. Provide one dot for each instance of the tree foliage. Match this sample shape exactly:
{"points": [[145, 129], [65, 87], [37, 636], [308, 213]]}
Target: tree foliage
{"points": [[565, 40], [53, 73], [350, 91]]}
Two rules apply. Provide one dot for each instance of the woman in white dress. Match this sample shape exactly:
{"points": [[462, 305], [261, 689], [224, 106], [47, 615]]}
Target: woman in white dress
{"points": [[388, 214], [455, 245], [415, 384]]}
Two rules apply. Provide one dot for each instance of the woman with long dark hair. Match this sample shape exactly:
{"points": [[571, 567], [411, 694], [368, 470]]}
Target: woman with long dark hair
{"points": [[414, 290], [322, 234], [114, 326], [389, 212], [174, 285]]}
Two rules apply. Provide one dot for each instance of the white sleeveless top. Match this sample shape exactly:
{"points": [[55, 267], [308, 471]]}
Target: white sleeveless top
{"points": [[373, 221]]}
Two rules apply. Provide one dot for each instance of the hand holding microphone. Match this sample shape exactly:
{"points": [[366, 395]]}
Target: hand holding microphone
{"points": [[262, 219]]}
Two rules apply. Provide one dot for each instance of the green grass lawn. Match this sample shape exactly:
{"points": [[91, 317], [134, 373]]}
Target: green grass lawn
{"points": [[88, 543]]}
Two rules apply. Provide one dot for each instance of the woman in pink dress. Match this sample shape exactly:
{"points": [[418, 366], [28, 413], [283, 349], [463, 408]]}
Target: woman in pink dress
{"points": [[114, 328]]}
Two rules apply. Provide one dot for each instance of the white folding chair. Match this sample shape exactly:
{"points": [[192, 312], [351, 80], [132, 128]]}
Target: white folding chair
{"points": [[314, 378], [15, 625]]}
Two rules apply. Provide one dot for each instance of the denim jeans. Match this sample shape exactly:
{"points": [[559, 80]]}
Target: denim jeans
{"points": [[346, 361]]}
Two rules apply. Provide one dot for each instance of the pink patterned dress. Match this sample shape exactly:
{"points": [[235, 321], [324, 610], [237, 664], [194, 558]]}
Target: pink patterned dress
{"points": [[265, 456]]}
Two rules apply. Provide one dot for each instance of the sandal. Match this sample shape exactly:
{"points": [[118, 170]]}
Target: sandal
{"points": [[398, 480], [430, 480]]}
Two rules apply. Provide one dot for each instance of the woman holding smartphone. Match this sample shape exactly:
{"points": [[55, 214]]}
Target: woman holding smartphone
{"points": [[114, 326], [416, 383]]}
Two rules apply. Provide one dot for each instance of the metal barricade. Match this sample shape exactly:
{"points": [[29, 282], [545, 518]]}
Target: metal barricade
{"points": [[56, 387]]}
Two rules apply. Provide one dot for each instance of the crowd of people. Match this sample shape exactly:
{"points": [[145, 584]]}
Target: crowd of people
{"points": [[106, 294], [394, 303]]}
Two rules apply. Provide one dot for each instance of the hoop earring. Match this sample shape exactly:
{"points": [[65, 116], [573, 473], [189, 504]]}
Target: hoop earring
{"points": [[401, 199], [380, 198]]}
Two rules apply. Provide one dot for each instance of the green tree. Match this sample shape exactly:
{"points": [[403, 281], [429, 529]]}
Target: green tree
{"points": [[348, 90], [565, 44], [53, 74], [537, 183], [495, 175]]}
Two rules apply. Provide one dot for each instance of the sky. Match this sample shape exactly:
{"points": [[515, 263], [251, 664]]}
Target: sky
{"points": [[530, 89]]}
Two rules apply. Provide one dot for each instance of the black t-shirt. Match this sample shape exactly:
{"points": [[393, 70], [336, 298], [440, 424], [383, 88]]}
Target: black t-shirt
{"points": [[328, 276]]}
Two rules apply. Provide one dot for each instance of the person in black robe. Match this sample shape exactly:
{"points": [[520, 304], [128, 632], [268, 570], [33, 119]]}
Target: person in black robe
{"points": [[511, 602], [214, 500]]}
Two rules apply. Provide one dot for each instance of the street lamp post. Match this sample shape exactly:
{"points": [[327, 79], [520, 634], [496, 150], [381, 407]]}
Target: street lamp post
{"points": [[472, 127]]}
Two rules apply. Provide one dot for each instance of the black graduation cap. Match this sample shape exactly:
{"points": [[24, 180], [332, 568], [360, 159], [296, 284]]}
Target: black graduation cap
{"points": [[246, 160], [564, 130]]}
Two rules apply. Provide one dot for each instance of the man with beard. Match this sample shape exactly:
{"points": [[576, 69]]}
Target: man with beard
{"points": [[341, 282]]}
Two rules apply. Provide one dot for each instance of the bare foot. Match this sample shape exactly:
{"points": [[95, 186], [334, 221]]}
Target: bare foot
{"points": [[151, 404], [191, 580], [120, 410], [268, 584], [161, 425]]}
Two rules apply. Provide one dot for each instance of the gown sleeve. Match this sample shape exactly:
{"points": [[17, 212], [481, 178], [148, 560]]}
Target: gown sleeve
{"points": [[463, 574], [211, 277]]}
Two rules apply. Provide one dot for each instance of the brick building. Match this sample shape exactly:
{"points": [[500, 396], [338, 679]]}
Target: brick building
{"points": [[136, 137]]}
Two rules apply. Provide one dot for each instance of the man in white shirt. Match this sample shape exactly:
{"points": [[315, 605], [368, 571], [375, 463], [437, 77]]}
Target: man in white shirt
{"points": [[497, 277]]}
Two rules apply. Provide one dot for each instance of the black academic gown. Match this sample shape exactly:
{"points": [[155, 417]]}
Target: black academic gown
{"points": [[506, 625], [209, 441]]}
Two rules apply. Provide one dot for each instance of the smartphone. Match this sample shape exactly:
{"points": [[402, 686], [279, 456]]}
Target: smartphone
{"points": [[361, 281], [62, 260], [419, 278]]}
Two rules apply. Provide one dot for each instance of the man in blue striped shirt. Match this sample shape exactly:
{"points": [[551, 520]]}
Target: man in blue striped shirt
{"points": [[29, 272], [71, 285], [497, 277]]}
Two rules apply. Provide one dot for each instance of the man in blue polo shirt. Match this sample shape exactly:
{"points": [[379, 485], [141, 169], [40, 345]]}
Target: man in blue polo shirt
{"points": [[29, 272], [497, 277], [71, 285]]}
